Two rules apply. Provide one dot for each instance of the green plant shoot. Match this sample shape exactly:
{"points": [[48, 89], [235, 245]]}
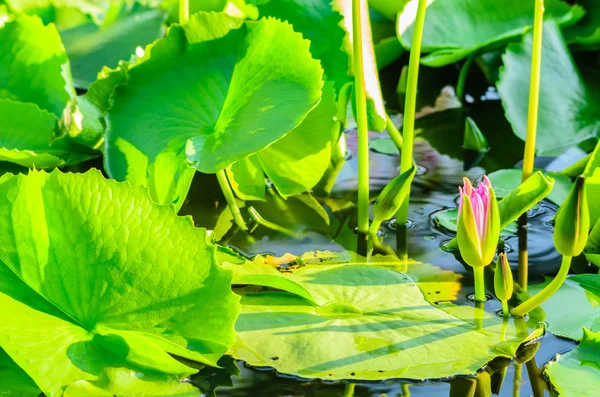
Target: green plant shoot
{"points": [[503, 282]]}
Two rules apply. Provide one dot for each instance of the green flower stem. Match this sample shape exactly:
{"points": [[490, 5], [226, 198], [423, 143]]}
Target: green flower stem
{"points": [[547, 292], [270, 225], [361, 120], [462, 77], [393, 132], [230, 198], [479, 283], [517, 380], [374, 228], [405, 390], [349, 389], [184, 11], [410, 105], [534, 90], [505, 311]]}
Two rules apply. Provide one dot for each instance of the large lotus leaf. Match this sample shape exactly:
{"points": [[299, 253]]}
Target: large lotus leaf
{"points": [[454, 29], [92, 280], [91, 7], [577, 373], [209, 97], [568, 113], [14, 382], [90, 47], [575, 305], [317, 19], [586, 33], [507, 180], [364, 321], [296, 162], [389, 9], [34, 66]]}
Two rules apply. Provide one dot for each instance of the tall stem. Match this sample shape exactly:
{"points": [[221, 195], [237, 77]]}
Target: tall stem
{"points": [[410, 108], [230, 198], [184, 11], [361, 119], [479, 283], [523, 269], [505, 311], [547, 292], [393, 132], [349, 389], [534, 90]]}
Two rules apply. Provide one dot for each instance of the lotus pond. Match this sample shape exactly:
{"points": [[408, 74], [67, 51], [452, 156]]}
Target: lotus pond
{"points": [[299, 198]]}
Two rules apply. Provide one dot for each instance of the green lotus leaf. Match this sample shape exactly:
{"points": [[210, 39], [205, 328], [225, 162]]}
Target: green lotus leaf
{"points": [[90, 47], [575, 305], [455, 29], [333, 20], [14, 382], [567, 112], [91, 280], [389, 9], [505, 181], [34, 66], [246, 95], [93, 8], [586, 33], [577, 373], [296, 162], [592, 181], [381, 322]]}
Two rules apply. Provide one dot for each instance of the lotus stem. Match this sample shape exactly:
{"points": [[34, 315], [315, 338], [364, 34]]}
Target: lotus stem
{"points": [[517, 380], [523, 265], [270, 225], [349, 389], [393, 132], [505, 311], [361, 120], [374, 228], [534, 90], [462, 77], [547, 292], [410, 108], [478, 273], [184, 11], [230, 198]]}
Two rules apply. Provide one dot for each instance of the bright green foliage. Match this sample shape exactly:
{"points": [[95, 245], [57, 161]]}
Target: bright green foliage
{"points": [[380, 321], [328, 25], [567, 112], [573, 221], [90, 7], [92, 279], [389, 9], [34, 66], [592, 181], [90, 47], [296, 162], [503, 279], [211, 93], [14, 382], [577, 373], [586, 33], [393, 195], [576, 304], [457, 28], [506, 180]]}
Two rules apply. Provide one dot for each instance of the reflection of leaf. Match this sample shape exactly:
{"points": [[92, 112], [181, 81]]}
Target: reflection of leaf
{"points": [[101, 287], [573, 306], [577, 373], [296, 162], [457, 28], [380, 321], [245, 96], [90, 47], [567, 112]]}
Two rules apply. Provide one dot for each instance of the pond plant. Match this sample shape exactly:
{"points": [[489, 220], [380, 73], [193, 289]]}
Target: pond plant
{"points": [[197, 190]]}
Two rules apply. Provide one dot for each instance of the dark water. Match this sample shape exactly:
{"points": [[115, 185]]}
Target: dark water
{"points": [[330, 226]]}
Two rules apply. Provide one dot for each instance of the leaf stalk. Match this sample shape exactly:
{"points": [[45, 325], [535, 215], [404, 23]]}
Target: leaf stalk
{"points": [[230, 198]]}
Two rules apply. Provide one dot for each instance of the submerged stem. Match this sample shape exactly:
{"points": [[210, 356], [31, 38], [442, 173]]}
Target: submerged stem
{"points": [[393, 132], [534, 90], [478, 273], [410, 105], [547, 292], [361, 119], [184, 11], [230, 198]]}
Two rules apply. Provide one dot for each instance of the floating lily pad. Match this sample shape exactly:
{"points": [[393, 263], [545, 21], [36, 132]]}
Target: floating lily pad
{"points": [[246, 95], [577, 373], [296, 162], [455, 29], [382, 324], [101, 288], [567, 112], [91, 47], [575, 305]]}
